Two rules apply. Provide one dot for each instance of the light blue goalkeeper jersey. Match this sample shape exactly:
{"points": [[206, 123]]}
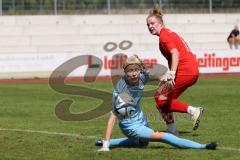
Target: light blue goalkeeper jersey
{"points": [[137, 118], [135, 125]]}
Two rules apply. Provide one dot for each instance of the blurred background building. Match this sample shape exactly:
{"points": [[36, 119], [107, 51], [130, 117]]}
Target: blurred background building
{"points": [[36, 36], [26, 7]]}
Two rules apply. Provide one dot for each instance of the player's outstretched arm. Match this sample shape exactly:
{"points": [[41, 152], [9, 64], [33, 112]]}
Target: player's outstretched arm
{"points": [[110, 125]]}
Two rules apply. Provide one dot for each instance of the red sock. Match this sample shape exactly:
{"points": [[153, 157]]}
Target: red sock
{"points": [[178, 106]]}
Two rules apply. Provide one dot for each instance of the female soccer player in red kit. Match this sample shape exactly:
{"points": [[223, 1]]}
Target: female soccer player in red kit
{"points": [[183, 71]]}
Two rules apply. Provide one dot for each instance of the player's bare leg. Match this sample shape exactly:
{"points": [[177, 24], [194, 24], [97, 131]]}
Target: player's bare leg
{"points": [[168, 117]]}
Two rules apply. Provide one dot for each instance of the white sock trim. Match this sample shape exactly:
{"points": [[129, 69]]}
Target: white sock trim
{"points": [[191, 110]]}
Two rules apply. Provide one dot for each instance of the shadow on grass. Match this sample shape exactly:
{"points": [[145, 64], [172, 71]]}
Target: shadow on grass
{"points": [[159, 146], [187, 133]]}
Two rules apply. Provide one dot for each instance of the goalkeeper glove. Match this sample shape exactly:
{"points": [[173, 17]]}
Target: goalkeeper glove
{"points": [[168, 76], [105, 147]]}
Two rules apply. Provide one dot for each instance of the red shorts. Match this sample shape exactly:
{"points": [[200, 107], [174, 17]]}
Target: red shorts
{"points": [[182, 82]]}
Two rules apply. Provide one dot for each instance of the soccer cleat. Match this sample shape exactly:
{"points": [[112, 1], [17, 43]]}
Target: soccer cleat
{"points": [[212, 145], [196, 117], [98, 141]]}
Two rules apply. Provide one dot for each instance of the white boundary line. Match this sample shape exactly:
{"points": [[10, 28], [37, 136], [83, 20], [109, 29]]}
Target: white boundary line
{"points": [[229, 149], [47, 132], [80, 136]]}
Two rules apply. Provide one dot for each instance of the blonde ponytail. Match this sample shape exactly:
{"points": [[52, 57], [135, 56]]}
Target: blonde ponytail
{"points": [[157, 12]]}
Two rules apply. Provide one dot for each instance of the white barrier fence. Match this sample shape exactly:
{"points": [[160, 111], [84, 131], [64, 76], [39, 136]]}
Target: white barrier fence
{"points": [[212, 61]]}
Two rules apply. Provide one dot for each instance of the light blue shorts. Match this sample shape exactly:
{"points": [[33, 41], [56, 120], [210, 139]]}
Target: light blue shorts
{"points": [[137, 130]]}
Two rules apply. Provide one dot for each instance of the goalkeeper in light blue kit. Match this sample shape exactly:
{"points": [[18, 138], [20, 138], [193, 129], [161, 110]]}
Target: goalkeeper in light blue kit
{"points": [[126, 107]]}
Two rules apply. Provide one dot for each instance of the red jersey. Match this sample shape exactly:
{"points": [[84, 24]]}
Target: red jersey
{"points": [[187, 62]]}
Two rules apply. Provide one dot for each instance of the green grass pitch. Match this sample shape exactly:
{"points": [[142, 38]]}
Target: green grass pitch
{"points": [[29, 128]]}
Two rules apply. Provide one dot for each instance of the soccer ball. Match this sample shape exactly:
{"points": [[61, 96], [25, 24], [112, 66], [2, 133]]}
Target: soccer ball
{"points": [[124, 106], [124, 111]]}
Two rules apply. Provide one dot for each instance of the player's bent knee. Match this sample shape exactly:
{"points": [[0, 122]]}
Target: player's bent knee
{"points": [[143, 143], [161, 101], [157, 136]]}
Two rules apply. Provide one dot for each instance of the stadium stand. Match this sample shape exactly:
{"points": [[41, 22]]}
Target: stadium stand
{"points": [[37, 34]]}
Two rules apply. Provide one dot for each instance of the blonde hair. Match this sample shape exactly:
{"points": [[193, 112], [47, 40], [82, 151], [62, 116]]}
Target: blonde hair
{"points": [[157, 12], [132, 60]]}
